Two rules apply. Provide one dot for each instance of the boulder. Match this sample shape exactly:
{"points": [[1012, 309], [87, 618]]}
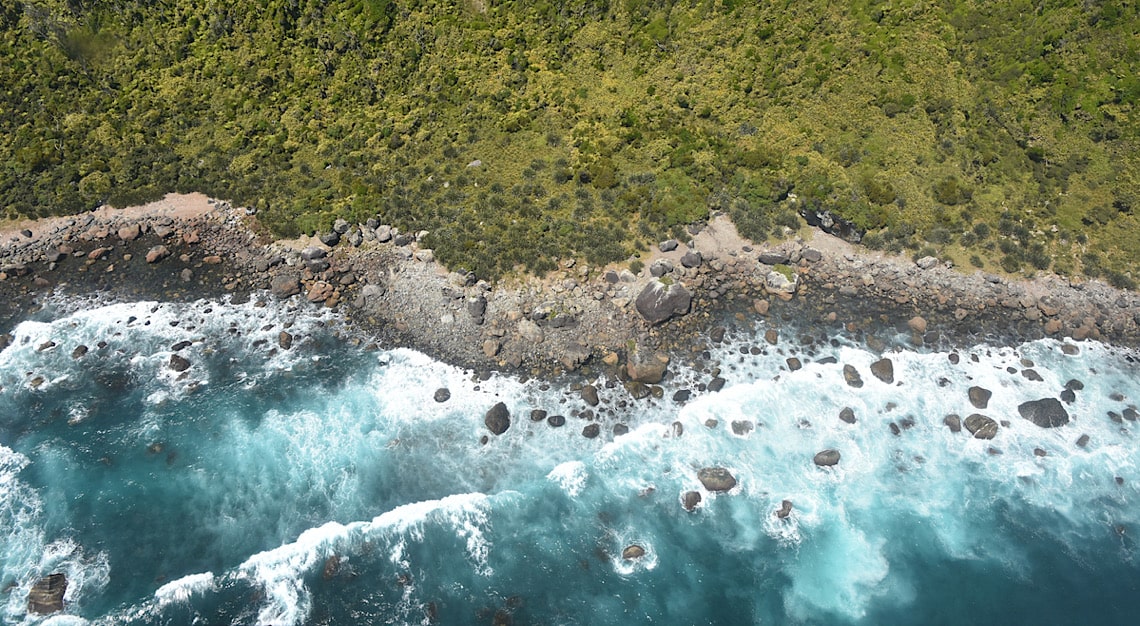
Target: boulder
{"points": [[443, 394], [793, 364], [851, 375], [178, 363], [884, 370], [537, 415], [285, 340], [589, 394], [556, 421], [742, 427], [591, 431], [1083, 441], [330, 239], [716, 479], [79, 351], [46, 595], [692, 259], [926, 262], [785, 509], [1046, 412], [648, 369], [981, 427], [953, 422], [917, 324], [826, 458], [716, 384], [668, 245], [773, 257], [157, 253], [847, 415], [781, 285], [690, 500], [659, 302], [811, 255], [283, 286], [980, 397], [129, 232], [632, 552], [498, 419]]}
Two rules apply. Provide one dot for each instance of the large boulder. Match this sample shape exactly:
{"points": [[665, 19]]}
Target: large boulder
{"points": [[716, 478], [157, 253], [632, 552], [981, 427], [498, 419], [851, 375], [884, 370], [46, 595], [980, 397], [1046, 412], [646, 368], [284, 285], [781, 284], [658, 302]]}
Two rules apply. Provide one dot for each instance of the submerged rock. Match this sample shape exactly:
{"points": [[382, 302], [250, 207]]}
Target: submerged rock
{"points": [[498, 419], [1046, 412], [716, 479], [46, 595]]}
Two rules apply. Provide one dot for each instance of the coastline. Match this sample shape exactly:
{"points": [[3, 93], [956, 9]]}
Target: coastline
{"points": [[578, 319]]}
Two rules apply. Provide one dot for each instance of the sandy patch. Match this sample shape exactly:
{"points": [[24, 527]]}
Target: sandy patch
{"points": [[179, 206]]}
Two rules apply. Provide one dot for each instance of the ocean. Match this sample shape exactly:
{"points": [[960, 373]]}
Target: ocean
{"points": [[325, 484]]}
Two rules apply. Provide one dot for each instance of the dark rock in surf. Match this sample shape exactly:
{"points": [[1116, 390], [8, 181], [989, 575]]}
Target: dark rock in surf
{"points": [[981, 427], [884, 370], [556, 421], [1082, 441], [980, 397], [847, 415], [178, 363], [716, 479], [1046, 412], [826, 458], [690, 500], [953, 422], [633, 552], [851, 375], [589, 394], [498, 419], [785, 509], [283, 286], [591, 431], [716, 384], [79, 351], [537, 415], [443, 394]]}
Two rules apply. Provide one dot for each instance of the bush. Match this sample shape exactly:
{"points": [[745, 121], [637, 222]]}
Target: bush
{"points": [[977, 261], [636, 266]]}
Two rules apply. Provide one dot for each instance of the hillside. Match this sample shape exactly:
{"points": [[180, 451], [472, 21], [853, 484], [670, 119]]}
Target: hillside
{"points": [[998, 134]]}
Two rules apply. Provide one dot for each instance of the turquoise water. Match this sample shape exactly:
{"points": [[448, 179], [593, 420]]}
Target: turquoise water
{"points": [[324, 485]]}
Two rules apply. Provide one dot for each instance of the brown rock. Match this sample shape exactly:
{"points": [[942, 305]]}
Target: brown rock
{"points": [[981, 427], [285, 340], [632, 552], [884, 370], [980, 397], [917, 324], [716, 479], [690, 500], [46, 595], [179, 363], [157, 253], [130, 232], [785, 509]]}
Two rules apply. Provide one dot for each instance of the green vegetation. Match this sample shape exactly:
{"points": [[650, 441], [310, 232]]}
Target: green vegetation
{"points": [[1004, 131]]}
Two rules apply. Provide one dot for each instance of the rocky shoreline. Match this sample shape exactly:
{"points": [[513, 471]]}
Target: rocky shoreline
{"points": [[579, 319]]}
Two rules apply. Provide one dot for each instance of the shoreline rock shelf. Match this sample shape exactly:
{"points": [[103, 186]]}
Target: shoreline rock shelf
{"points": [[578, 317]]}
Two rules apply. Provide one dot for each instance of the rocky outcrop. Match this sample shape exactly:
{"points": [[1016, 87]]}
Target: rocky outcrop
{"points": [[1046, 412], [46, 595], [690, 500], [659, 302], [716, 479], [498, 419]]}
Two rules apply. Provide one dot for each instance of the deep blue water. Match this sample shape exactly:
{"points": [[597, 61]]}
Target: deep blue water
{"points": [[324, 485]]}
